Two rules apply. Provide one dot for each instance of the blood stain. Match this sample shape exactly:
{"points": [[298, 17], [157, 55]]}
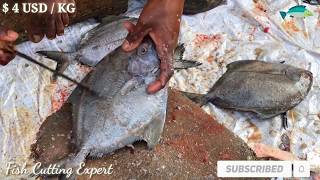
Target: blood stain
{"points": [[290, 26]]}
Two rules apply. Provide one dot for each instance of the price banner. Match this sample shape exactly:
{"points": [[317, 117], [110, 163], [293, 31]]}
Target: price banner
{"points": [[38, 8]]}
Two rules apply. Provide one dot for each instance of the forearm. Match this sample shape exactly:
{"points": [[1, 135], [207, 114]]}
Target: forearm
{"points": [[174, 7]]}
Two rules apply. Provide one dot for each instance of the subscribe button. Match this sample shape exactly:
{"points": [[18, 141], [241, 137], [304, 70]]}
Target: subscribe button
{"points": [[263, 169]]}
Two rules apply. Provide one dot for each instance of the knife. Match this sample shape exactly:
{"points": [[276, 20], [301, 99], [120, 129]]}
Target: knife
{"points": [[30, 59]]}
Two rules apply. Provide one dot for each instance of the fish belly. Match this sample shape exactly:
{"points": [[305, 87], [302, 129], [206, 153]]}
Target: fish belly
{"points": [[108, 78], [296, 14], [132, 117]]}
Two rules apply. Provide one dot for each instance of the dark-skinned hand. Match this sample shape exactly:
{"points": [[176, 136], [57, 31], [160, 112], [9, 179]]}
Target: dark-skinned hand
{"points": [[7, 53], [160, 19], [50, 25]]}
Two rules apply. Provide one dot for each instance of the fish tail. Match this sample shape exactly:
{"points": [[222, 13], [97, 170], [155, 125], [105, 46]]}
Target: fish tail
{"points": [[197, 98], [63, 59], [283, 14], [179, 51], [58, 56], [179, 62], [185, 64]]}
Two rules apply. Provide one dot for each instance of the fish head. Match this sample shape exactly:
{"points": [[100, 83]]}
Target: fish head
{"points": [[307, 13], [305, 82], [144, 61], [302, 79], [295, 74]]}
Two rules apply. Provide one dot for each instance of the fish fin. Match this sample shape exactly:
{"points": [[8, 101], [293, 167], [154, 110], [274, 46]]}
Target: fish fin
{"points": [[59, 57], [105, 21], [298, 6], [77, 100], [284, 118], [185, 64], [178, 52], [111, 18], [197, 98], [283, 14], [262, 67], [301, 6], [153, 132], [237, 64], [179, 62], [63, 59], [128, 86], [61, 67], [265, 114]]}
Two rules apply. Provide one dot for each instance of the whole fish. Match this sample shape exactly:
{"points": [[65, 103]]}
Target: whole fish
{"points": [[299, 11], [94, 45], [266, 89], [127, 113]]}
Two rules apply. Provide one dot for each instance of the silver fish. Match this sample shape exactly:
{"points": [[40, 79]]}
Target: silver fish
{"points": [[95, 45], [266, 89], [127, 113]]}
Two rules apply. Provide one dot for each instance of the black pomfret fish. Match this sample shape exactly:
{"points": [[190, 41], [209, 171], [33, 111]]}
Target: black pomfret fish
{"points": [[266, 89]]}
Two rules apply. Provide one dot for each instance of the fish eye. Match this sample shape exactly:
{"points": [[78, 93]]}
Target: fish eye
{"points": [[142, 50]]}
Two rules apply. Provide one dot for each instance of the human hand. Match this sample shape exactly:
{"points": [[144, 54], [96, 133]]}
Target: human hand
{"points": [[47, 24], [7, 53], [160, 19]]}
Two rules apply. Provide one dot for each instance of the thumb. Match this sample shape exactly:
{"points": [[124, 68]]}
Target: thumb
{"points": [[129, 26], [135, 36]]}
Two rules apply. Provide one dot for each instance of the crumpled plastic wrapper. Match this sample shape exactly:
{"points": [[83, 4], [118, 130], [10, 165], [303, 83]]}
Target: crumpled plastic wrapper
{"points": [[239, 30]]}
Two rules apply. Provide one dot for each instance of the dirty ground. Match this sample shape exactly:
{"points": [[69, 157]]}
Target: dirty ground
{"points": [[192, 144]]}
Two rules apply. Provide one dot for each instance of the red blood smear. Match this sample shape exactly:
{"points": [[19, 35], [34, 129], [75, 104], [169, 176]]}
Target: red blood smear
{"points": [[57, 103], [266, 29]]}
